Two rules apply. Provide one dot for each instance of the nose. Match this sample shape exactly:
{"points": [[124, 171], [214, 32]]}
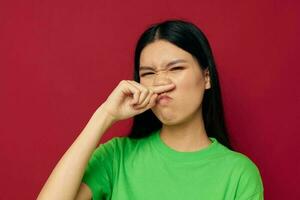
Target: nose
{"points": [[161, 79]]}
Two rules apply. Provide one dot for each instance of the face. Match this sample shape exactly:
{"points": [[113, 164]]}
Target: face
{"points": [[162, 62]]}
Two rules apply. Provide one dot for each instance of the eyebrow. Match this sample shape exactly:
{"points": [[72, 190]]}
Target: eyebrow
{"points": [[168, 65]]}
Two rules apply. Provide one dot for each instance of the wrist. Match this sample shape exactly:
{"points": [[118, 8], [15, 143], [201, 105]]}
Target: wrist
{"points": [[104, 113]]}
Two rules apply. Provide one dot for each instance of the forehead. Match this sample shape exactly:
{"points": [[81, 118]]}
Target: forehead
{"points": [[161, 52]]}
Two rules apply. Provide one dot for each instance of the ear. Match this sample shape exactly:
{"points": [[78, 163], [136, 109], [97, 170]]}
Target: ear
{"points": [[207, 78]]}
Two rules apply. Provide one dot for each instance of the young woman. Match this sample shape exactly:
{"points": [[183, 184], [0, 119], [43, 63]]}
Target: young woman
{"points": [[178, 147]]}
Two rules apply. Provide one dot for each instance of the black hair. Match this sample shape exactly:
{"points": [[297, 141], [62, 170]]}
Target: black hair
{"points": [[190, 38]]}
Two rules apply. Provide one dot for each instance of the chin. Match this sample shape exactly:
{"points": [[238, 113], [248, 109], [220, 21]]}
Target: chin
{"points": [[171, 118], [168, 122], [168, 118]]}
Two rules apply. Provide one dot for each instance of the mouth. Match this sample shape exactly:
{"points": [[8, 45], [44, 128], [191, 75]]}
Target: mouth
{"points": [[163, 99]]}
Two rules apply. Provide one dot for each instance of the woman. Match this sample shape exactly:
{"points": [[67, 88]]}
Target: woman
{"points": [[178, 147]]}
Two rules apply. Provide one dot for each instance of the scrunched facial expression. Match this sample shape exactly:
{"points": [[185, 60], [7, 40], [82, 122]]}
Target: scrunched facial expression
{"points": [[162, 62]]}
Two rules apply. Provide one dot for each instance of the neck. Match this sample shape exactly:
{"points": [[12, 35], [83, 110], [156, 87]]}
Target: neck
{"points": [[187, 136]]}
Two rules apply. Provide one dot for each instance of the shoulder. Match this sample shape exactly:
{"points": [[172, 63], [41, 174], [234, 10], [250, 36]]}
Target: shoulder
{"points": [[116, 142], [245, 165], [241, 162], [120, 144], [247, 174]]}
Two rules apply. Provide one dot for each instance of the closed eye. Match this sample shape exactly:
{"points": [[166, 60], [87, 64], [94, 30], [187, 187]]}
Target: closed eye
{"points": [[146, 73], [174, 68], [177, 68]]}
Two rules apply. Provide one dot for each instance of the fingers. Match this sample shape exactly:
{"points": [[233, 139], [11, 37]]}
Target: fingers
{"points": [[144, 91], [155, 89], [162, 88], [149, 102], [130, 89], [142, 94]]}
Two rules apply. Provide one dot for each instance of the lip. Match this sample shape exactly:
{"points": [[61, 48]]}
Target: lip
{"points": [[163, 99], [163, 96]]}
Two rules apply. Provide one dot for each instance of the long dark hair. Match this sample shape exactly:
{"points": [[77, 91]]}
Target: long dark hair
{"points": [[190, 38]]}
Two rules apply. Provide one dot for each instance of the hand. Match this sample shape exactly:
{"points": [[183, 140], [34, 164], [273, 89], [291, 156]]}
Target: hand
{"points": [[130, 98]]}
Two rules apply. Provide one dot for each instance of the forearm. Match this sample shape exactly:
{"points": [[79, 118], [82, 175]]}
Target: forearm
{"points": [[66, 177]]}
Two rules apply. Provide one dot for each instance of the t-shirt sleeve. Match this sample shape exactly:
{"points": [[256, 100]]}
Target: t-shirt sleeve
{"points": [[250, 186], [98, 175]]}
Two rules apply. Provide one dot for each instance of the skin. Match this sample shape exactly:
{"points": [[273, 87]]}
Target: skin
{"points": [[183, 127]]}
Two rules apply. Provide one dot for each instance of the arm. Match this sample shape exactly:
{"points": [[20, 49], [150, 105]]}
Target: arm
{"points": [[124, 102], [65, 180]]}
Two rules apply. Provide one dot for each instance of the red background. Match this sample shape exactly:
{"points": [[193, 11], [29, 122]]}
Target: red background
{"points": [[61, 59]]}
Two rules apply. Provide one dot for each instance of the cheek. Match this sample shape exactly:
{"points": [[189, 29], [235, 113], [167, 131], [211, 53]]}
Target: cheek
{"points": [[144, 82], [190, 83], [190, 91]]}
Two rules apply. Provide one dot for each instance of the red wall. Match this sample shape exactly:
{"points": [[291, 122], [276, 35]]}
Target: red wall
{"points": [[60, 60]]}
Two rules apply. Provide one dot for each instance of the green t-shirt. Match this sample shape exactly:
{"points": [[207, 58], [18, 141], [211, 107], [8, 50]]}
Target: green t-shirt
{"points": [[148, 169]]}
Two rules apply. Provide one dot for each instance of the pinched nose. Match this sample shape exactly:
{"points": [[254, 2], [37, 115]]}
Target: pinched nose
{"points": [[163, 88]]}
